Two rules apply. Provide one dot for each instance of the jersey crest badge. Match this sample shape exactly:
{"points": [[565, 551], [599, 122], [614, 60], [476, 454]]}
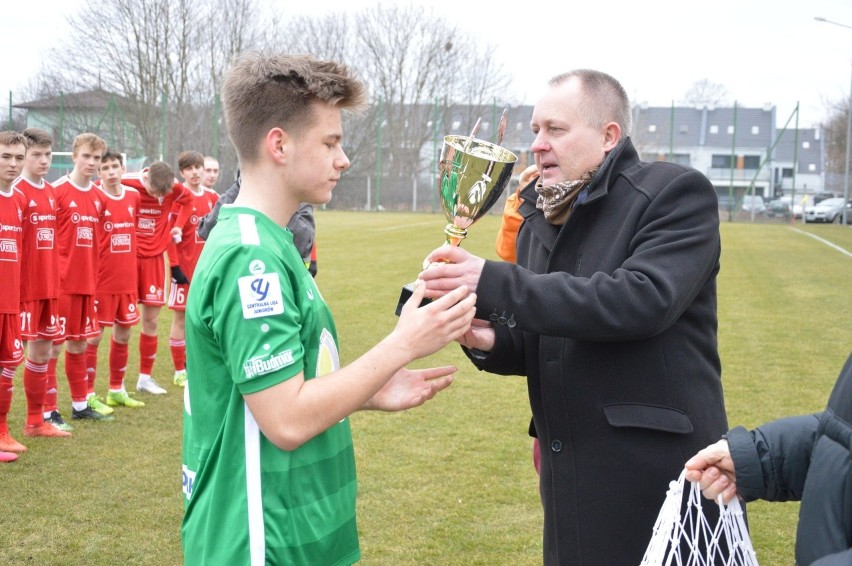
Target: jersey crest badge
{"points": [[260, 295]]}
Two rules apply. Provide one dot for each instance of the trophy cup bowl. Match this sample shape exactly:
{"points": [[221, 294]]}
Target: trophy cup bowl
{"points": [[473, 174]]}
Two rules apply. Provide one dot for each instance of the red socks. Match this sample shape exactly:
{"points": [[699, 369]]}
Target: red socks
{"points": [[117, 365], [35, 383], [178, 348], [50, 387], [91, 365], [147, 353], [6, 387], [75, 371]]}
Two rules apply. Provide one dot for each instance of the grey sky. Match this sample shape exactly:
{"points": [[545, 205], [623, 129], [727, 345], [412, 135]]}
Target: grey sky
{"points": [[762, 51]]}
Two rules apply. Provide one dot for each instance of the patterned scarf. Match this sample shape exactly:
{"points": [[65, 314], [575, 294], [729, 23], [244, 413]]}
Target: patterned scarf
{"points": [[556, 200]]}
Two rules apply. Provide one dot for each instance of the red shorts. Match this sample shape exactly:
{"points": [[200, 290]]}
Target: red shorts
{"points": [[117, 309], [177, 296], [77, 317], [152, 280], [40, 320], [11, 346]]}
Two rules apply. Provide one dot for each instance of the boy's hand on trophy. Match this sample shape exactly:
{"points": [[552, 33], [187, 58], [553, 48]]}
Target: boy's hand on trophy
{"points": [[422, 331], [450, 268]]}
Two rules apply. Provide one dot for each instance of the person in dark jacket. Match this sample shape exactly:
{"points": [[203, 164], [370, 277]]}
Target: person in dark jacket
{"points": [[610, 313], [806, 458], [302, 225]]}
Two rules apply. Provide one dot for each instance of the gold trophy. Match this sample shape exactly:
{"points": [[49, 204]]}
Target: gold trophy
{"points": [[473, 174]]}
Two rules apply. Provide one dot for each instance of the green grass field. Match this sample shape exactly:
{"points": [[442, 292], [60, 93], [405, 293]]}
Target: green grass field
{"points": [[451, 482]]}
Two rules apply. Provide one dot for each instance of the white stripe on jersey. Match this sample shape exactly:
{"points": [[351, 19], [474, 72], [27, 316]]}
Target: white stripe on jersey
{"points": [[248, 230], [257, 533]]}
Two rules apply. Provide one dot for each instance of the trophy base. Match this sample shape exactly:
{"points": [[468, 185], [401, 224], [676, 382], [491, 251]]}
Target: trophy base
{"points": [[407, 291]]}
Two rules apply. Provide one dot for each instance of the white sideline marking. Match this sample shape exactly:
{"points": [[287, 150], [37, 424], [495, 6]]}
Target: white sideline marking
{"points": [[824, 241], [402, 227]]}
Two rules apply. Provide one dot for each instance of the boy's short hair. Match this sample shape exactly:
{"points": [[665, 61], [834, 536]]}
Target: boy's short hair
{"points": [[161, 178], [88, 139], [112, 155], [10, 137], [261, 92], [36, 137], [190, 159]]}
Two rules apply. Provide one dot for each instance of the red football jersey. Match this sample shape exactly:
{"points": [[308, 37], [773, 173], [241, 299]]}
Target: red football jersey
{"points": [[117, 271], [12, 206], [191, 244], [78, 218], [39, 254], [152, 221]]}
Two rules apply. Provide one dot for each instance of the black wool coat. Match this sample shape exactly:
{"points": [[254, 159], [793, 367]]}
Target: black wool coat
{"points": [[612, 319]]}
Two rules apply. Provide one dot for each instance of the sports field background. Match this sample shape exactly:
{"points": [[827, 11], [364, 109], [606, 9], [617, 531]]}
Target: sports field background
{"points": [[451, 482]]}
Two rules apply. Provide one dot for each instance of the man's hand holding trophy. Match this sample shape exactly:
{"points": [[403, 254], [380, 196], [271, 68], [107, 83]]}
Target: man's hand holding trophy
{"points": [[473, 174]]}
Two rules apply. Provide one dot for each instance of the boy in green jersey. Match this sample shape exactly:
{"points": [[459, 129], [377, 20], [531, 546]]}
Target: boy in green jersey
{"points": [[268, 464]]}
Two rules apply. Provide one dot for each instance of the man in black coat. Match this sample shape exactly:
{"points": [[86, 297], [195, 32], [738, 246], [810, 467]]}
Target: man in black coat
{"points": [[610, 313], [806, 458]]}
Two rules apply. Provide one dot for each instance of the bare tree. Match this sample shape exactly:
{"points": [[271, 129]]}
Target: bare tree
{"points": [[835, 128], [413, 63], [162, 61], [705, 93]]}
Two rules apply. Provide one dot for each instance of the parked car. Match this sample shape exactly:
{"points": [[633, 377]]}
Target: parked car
{"points": [[819, 197], [797, 207], [829, 210], [779, 209], [754, 203]]}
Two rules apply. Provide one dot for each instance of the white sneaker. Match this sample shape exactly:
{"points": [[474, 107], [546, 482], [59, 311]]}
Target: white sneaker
{"points": [[147, 384]]}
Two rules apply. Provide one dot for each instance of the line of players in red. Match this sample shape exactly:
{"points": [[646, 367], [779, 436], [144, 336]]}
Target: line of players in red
{"points": [[79, 256]]}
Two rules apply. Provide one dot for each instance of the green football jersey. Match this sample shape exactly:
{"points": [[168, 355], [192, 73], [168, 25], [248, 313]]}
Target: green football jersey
{"points": [[255, 318]]}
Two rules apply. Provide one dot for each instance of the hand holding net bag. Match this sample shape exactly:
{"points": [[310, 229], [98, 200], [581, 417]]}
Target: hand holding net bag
{"points": [[688, 539]]}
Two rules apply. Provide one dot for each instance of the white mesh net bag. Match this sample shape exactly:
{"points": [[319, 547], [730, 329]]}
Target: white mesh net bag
{"points": [[689, 539]]}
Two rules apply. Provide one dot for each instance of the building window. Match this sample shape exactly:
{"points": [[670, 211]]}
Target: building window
{"points": [[787, 173], [751, 162], [812, 167], [484, 126], [519, 126], [755, 130], [684, 129], [721, 162], [456, 124], [652, 128], [730, 130], [714, 129], [806, 145]]}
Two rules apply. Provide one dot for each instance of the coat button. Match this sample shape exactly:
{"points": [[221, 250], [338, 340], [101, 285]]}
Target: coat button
{"points": [[556, 446]]}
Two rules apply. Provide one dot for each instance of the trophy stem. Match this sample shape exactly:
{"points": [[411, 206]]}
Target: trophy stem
{"points": [[454, 234]]}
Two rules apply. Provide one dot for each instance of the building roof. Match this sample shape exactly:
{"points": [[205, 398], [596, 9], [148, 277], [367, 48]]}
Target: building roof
{"points": [[96, 99], [707, 126]]}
